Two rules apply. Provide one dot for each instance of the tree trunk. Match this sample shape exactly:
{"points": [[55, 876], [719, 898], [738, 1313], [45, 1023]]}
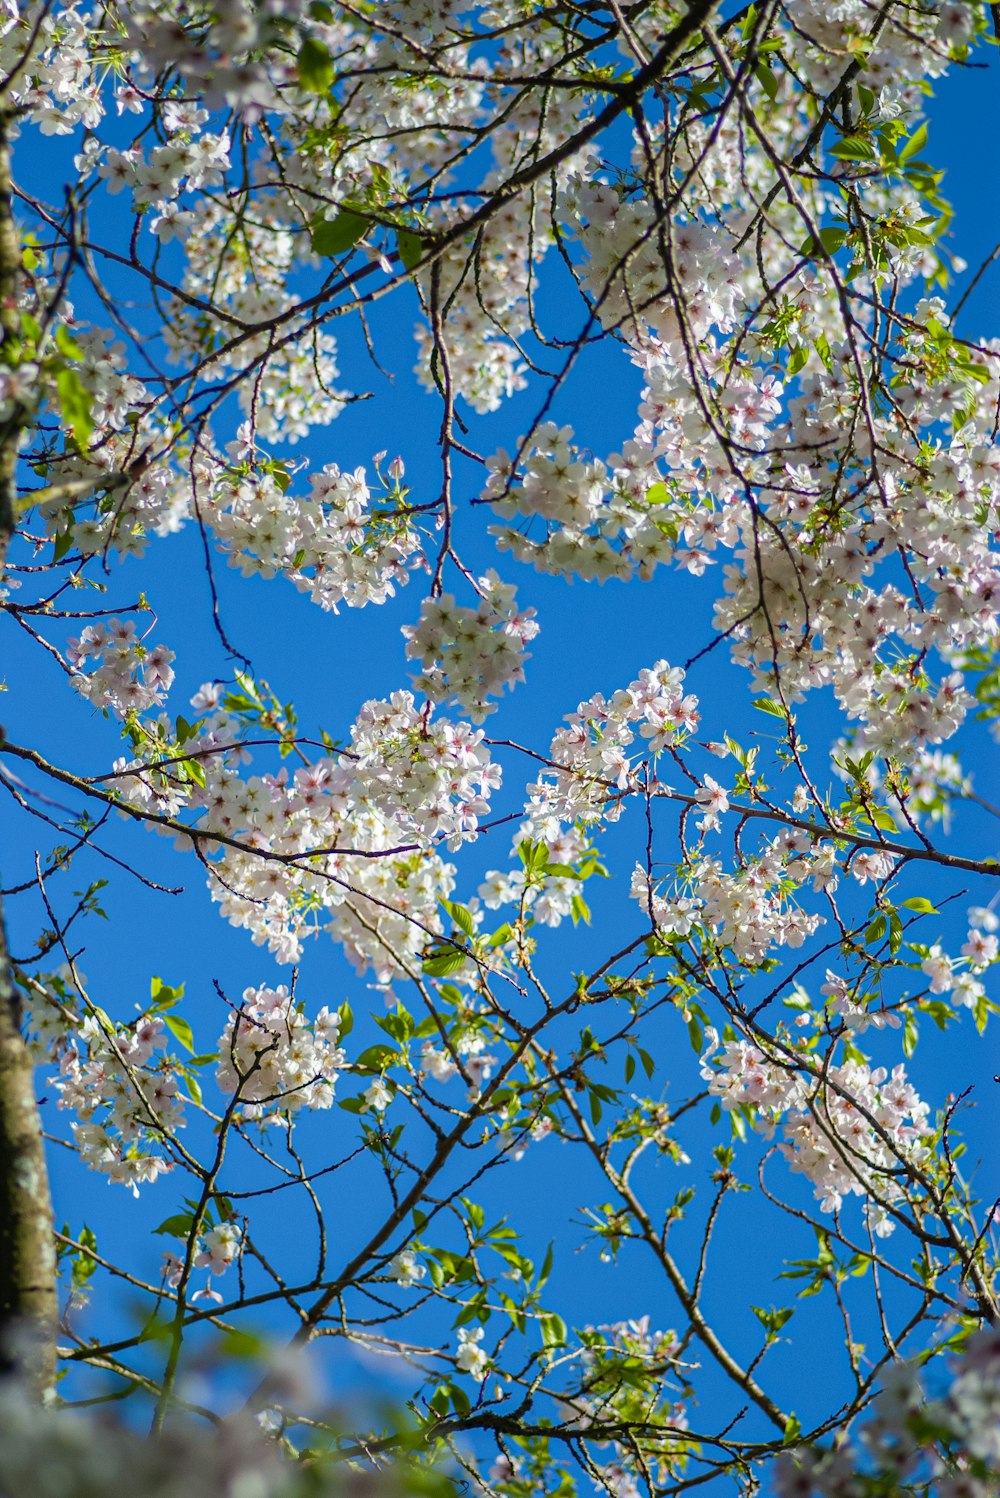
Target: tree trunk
{"points": [[28, 1303]]}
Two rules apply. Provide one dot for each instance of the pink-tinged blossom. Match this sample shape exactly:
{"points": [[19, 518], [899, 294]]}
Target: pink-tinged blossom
{"points": [[275, 1058], [871, 867], [844, 1128], [221, 1246], [980, 949], [715, 801], [938, 968]]}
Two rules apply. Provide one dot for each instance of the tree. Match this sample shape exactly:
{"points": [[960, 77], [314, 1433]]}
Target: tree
{"points": [[648, 976]]}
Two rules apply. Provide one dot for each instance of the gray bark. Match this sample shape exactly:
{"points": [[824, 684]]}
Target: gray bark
{"points": [[28, 1300]]}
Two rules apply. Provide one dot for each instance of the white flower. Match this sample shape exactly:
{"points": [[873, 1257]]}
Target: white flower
{"points": [[378, 1096], [937, 966], [470, 1357], [406, 1268]]}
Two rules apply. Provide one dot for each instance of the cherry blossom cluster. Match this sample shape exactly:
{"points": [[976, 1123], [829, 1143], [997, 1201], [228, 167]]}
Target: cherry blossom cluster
{"points": [[136, 495], [275, 1059], [220, 55], [846, 1003], [470, 1357], [487, 282], [595, 525], [126, 1102], [918, 48], [489, 313], [73, 1453], [214, 1250], [115, 672], [805, 612], [918, 1438], [934, 780], [747, 910], [340, 545], [159, 178], [846, 1127], [548, 896], [798, 604], [290, 384], [629, 246], [59, 92], [959, 977], [711, 435], [346, 839], [594, 766], [467, 1048], [430, 779], [593, 773], [469, 655]]}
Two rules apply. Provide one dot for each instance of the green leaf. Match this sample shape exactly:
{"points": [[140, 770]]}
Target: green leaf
{"points": [[830, 240], [193, 1085], [461, 916], [315, 67], [534, 856], [381, 181], [767, 80], [765, 705], [916, 143], [74, 405], [178, 1226], [920, 904], [854, 148], [981, 1012], [240, 1343], [797, 360], [411, 248], [459, 1399], [181, 1031], [334, 236], [877, 929], [579, 910], [399, 1024], [476, 1214], [83, 1262], [375, 1058], [514, 1311], [163, 996], [553, 1329], [194, 771], [443, 964], [66, 344]]}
